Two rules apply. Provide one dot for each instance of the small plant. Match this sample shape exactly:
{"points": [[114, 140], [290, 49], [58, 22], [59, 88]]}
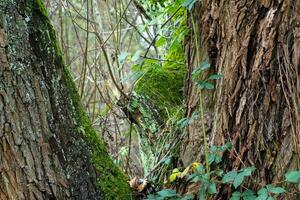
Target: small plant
{"points": [[209, 182]]}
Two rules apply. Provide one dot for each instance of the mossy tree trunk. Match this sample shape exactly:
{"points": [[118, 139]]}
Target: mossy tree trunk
{"points": [[255, 45], [48, 149]]}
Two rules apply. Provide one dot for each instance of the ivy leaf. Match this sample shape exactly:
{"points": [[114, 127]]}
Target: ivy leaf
{"points": [[238, 180], [167, 193], [212, 188], [230, 176], [215, 76], [292, 176]]}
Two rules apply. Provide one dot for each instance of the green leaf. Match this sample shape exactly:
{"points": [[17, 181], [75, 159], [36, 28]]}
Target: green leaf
{"points": [[219, 172], [136, 56], [230, 176], [248, 195], [299, 186], [200, 169], [202, 193], [204, 66], [161, 41], [167, 193], [292, 176], [236, 195], [215, 76], [262, 194], [189, 4], [226, 147], [205, 85], [212, 188], [247, 171], [187, 197], [211, 158], [238, 180], [275, 190], [270, 198], [122, 57]]}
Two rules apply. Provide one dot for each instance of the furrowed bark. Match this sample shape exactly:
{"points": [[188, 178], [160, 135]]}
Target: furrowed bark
{"points": [[48, 149], [255, 45]]}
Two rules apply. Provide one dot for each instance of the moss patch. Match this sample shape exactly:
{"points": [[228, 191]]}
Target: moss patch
{"points": [[164, 85]]}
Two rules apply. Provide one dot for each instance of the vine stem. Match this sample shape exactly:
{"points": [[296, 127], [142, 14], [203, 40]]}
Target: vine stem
{"points": [[201, 101]]}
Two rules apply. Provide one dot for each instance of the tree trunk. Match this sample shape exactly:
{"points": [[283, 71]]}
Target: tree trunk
{"points": [[255, 45], [48, 149]]}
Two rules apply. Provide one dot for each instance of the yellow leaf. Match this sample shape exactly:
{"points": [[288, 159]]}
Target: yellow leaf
{"points": [[195, 165], [172, 177], [175, 170], [185, 172]]}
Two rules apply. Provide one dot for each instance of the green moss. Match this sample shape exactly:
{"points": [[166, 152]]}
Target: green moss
{"points": [[164, 85], [112, 182]]}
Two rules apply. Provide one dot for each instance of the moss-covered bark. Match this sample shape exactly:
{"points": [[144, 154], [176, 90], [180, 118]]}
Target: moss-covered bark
{"points": [[48, 149]]}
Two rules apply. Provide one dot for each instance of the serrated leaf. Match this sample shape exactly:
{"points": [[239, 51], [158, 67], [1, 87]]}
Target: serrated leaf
{"points": [[230, 176], [238, 180], [215, 76], [212, 188], [292, 176]]}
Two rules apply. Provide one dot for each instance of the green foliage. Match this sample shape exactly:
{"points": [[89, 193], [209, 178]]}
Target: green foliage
{"points": [[211, 181], [203, 83], [161, 79]]}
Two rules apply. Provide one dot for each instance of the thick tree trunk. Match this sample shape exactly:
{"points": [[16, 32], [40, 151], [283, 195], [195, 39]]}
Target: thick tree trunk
{"points": [[48, 149], [255, 45]]}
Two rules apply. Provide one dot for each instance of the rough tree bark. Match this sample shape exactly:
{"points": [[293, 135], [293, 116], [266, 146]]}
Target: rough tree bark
{"points": [[48, 149], [255, 45]]}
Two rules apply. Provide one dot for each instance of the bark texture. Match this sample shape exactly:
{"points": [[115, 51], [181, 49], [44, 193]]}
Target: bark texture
{"points": [[48, 149], [255, 44]]}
